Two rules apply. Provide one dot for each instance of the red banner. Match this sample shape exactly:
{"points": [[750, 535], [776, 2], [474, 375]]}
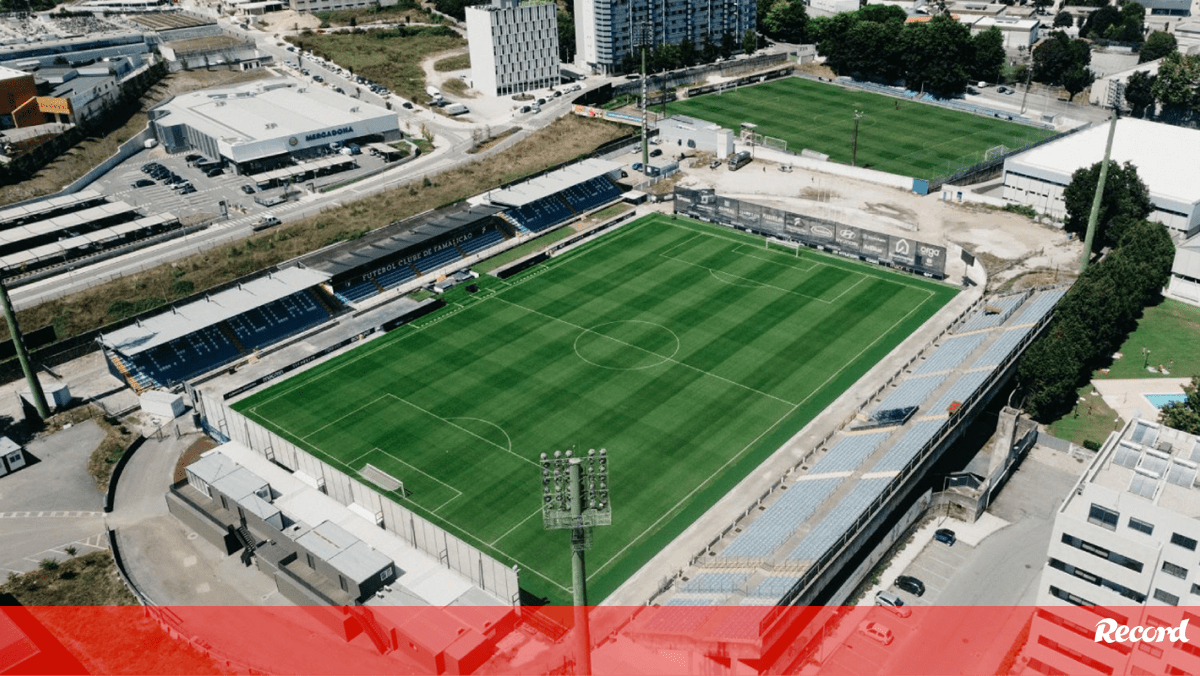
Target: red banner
{"points": [[643, 640]]}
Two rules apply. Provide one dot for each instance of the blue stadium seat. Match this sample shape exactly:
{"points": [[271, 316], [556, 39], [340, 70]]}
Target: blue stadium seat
{"points": [[540, 214], [188, 356], [277, 320], [481, 242], [395, 277], [591, 193], [437, 260], [352, 293]]}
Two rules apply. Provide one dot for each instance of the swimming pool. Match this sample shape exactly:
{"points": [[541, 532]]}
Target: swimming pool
{"points": [[1160, 400]]}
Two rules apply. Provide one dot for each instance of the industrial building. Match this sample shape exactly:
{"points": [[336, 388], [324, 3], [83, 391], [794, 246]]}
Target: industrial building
{"points": [[1123, 547], [260, 126], [16, 89], [607, 30], [1163, 154], [514, 46], [1185, 272]]}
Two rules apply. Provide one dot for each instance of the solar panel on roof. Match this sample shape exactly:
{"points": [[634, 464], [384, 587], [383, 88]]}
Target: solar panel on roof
{"points": [[1143, 485], [1144, 434], [1154, 462], [1182, 473], [1127, 455]]}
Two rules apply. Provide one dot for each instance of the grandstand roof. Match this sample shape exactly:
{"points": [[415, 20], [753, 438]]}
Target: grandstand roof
{"points": [[185, 319], [548, 184], [397, 237], [1164, 155]]}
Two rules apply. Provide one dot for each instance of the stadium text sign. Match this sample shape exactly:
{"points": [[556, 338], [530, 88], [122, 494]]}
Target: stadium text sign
{"points": [[1109, 631], [328, 133]]}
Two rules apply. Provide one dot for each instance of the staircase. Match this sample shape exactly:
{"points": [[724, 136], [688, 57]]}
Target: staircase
{"points": [[517, 228], [371, 627], [229, 333], [322, 301], [247, 540], [136, 381]]}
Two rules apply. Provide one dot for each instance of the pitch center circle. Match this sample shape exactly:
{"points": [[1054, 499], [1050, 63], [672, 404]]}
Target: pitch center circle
{"points": [[626, 345]]}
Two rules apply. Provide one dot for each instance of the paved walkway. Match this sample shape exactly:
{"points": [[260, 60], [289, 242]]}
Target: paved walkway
{"points": [[1127, 396]]}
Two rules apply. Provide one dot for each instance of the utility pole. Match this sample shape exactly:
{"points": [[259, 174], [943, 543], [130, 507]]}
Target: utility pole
{"points": [[858, 115], [1095, 214], [575, 497], [35, 387]]}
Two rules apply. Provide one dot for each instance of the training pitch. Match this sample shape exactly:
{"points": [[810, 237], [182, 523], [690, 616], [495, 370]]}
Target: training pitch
{"points": [[895, 135], [689, 351]]}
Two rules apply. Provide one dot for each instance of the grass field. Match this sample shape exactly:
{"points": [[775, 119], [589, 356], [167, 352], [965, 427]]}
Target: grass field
{"points": [[900, 137], [689, 351], [1171, 331]]}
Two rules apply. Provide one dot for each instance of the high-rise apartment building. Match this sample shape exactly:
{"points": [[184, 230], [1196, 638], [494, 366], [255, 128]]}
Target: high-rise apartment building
{"points": [[607, 30], [513, 45]]}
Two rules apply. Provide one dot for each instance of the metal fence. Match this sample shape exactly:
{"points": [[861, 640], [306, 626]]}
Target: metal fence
{"points": [[490, 575]]}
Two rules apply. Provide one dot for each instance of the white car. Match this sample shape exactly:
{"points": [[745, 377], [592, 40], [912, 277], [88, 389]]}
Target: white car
{"points": [[876, 632]]}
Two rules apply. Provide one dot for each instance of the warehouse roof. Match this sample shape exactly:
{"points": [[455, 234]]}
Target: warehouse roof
{"points": [[185, 319], [1165, 155], [264, 110]]}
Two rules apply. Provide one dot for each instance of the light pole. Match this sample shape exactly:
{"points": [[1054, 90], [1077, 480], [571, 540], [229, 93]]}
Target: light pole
{"points": [[14, 330], [643, 38], [575, 497], [858, 115]]}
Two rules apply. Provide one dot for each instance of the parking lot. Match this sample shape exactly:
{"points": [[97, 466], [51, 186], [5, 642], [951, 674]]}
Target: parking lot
{"points": [[209, 190]]}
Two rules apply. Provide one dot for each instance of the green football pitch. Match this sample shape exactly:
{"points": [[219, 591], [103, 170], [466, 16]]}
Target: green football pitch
{"points": [[689, 351], [897, 136]]}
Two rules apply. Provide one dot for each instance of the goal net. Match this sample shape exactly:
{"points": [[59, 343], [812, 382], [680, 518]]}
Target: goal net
{"points": [[993, 153], [382, 479]]}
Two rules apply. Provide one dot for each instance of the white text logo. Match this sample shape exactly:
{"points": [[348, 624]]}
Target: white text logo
{"points": [[1109, 631]]}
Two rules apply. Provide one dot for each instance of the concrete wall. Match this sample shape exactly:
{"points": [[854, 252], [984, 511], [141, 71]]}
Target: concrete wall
{"points": [[126, 150], [202, 524], [871, 175]]}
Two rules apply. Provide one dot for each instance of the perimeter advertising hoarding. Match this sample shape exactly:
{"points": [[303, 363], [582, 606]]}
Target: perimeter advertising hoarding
{"points": [[918, 256]]}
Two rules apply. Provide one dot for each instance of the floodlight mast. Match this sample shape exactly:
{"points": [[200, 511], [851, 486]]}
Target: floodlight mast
{"points": [[575, 496], [14, 330]]}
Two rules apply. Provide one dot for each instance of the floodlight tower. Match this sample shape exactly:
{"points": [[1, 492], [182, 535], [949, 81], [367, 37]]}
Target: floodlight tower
{"points": [[642, 37], [35, 387], [575, 496]]}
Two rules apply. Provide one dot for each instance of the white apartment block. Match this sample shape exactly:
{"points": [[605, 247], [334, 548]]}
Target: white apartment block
{"points": [[513, 45], [1124, 546], [605, 29]]}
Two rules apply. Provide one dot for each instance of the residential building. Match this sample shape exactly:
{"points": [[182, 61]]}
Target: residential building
{"points": [[16, 89], [607, 30], [1165, 157], [1123, 546], [514, 46], [1019, 33]]}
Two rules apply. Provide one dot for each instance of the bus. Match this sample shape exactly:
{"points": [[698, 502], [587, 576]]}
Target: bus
{"points": [[739, 160]]}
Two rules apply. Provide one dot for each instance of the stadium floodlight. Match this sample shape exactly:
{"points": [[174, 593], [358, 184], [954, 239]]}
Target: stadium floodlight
{"points": [[858, 115], [643, 36], [575, 495]]}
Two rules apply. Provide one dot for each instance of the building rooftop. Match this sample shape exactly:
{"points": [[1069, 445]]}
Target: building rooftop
{"points": [[184, 319], [1167, 157], [349, 555], [1152, 462], [264, 110], [11, 73]]}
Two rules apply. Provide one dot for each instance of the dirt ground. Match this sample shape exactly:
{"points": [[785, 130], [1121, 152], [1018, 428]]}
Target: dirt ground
{"points": [[1015, 251], [287, 21], [92, 151]]}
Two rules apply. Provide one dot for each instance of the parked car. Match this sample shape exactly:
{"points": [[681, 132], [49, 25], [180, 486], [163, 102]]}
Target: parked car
{"points": [[143, 183], [714, 164], [911, 585], [248, 189], [187, 189], [656, 152], [215, 171], [191, 159], [876, 632], [637, 166], [892, 603], [945, 535], [407, 105]]}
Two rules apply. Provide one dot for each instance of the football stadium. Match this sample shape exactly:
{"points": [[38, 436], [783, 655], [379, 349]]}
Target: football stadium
{"points": [[896, 135], [690, 352]]}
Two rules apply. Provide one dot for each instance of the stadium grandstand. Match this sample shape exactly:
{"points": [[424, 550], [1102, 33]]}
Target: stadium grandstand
{"points": [[194, 338], [436, 242], [551, 199], [836, 499], [60, 229]]}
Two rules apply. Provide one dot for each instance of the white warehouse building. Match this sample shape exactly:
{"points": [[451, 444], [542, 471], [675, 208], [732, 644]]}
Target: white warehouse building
{"points": [[1124, 546], [513, 46], [1167, 159], [265, 124]]}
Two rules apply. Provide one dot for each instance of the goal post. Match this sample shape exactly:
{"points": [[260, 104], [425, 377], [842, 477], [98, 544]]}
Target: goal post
{"points": [[382, 479]]}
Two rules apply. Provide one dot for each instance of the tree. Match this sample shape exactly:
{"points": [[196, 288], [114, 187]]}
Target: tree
{"points": [[869, 51], [353, 21], [934, 53], [1176, 85], [728, 45], [1098, 21], [786, 21], [1157, 45], [1076, 80], [1058, 55], [749, 41], [1126, 198], [1063, 19], [1184, 415], [566, 36], [1139, 92], [687, 53], [988, 61], [709, 52], [882, 14]]}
